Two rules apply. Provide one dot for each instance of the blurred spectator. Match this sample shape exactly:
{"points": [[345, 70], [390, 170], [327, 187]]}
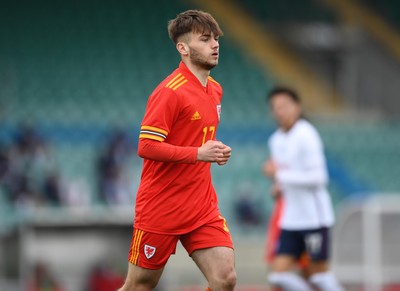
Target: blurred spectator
{"points": [[52, 189], [43, 280], [114, 181], [21, 191], [4, 163], [5, 168], [27, 170], [247, 209], [31, 153]]}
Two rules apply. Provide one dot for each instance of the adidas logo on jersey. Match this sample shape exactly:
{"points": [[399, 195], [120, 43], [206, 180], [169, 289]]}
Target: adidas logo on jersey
{"points": [[196, 116]]}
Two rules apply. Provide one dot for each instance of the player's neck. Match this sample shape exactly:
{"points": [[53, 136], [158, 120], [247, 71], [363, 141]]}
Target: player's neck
{"points": [[286, 127], [200, 73]]}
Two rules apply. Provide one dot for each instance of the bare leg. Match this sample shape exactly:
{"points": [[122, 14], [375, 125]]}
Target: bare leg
{"points": [[218, 266], [140, 279], [283, 263]]}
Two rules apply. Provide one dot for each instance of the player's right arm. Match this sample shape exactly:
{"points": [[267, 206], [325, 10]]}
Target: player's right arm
{"points": [[211, 151]]}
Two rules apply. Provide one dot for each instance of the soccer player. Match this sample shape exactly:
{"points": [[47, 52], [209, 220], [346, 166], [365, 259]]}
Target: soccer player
{"points": [[176, 200], [298, 171]]}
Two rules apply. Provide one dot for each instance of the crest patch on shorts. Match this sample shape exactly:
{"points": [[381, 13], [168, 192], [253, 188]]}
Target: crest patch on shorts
{"points": [[149, 251]]}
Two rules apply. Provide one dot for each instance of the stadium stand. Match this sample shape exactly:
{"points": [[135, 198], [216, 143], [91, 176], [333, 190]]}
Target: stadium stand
{"points": [[368, 150], [389, 10], [92, 58], [77, 70], [277, 59], [67, 67], [289, 12], [372, 18]]}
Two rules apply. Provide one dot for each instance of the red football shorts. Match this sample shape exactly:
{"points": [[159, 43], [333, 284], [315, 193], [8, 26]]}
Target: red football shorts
{"points": [[152, 251]]}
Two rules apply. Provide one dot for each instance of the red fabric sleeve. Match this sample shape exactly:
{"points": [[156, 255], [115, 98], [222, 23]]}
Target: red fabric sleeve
{"points": [[164, 152]]}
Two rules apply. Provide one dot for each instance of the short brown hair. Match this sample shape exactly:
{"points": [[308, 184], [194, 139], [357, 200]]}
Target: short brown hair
{"points": [[192, 21], [284, 90]]}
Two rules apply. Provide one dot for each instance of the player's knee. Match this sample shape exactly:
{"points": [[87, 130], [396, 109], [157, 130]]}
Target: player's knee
{"points": [[230, 279], [144, 286], [140, 283], [224, 280], [139, 278]]}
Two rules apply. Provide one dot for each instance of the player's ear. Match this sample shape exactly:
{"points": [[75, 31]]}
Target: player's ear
{"points": [[182, 48]]}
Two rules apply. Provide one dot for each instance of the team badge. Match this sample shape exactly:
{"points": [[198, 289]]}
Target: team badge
{"points": [[149, 251], [219, 111]]}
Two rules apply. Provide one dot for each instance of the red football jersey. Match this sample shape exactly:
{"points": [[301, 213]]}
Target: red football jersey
{"points": [[175, 198]]}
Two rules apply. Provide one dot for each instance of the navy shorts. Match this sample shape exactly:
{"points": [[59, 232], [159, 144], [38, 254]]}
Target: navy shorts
{"points": [[314, 242]]}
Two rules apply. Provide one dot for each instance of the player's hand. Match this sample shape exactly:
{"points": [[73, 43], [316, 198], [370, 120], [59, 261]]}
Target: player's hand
{"points": [[214, 151], [227, 151], [269, 168], [276, 191]]}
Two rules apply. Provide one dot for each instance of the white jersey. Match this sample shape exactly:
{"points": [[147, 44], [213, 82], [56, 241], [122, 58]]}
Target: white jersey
{"points": [[302, 176]]}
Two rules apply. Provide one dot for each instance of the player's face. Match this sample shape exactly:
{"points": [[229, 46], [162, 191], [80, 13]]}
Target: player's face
{"points": [[285, 110], [204, 50]]}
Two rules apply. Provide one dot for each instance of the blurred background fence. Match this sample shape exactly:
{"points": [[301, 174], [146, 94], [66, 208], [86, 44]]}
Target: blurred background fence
{"points": [[74, 81]]}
